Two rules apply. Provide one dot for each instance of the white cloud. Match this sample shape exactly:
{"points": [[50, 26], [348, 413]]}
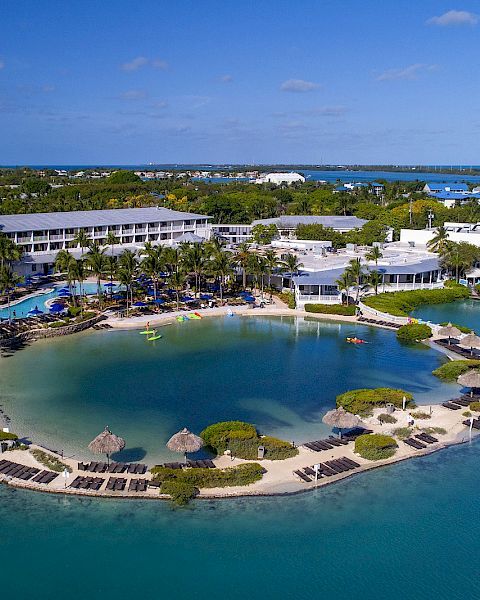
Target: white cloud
{"points": [[298, 86], [454, 17], [142, 61], [135, 64], [133, 95], [226, 79], [410, 72]]}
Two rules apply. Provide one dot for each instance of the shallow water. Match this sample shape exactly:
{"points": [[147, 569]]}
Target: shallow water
{"points": [[404, 532], [279, 373], [461, 312]]}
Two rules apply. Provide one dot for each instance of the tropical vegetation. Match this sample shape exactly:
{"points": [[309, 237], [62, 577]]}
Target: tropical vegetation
{"points": [[363, 401], [375, 446], [414, 332]]}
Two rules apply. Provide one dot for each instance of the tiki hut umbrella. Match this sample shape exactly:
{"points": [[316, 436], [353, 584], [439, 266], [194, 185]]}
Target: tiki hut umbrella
{"points": [[341, 419], [470, 341], [470, 379], [449, 331], [185, 441], [106, 443]]}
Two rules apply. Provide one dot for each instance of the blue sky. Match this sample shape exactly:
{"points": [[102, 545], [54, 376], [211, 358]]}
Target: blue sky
{"points": [[220, 81]]}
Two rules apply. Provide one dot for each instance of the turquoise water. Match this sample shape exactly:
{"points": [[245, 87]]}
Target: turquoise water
{"points": [[462, 312], [22, 308], [405, 532], [279, 373]]}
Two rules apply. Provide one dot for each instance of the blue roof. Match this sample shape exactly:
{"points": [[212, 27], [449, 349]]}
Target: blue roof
{"points": [[452, 195], [453, 187], [376, 184]]}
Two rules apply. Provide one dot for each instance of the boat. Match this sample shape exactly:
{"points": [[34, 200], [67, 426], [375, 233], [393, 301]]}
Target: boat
{"points": [[355, 340]]}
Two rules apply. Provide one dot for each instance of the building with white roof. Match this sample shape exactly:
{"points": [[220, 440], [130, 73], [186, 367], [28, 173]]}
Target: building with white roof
{"points": [[281, 178]]}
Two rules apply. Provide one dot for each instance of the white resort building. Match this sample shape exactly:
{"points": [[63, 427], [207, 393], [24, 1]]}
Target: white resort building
{"points": [[281, 178], [42, 235]]}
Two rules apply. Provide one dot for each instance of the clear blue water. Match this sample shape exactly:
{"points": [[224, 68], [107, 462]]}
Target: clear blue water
{"points": [[22, 308], [281, 374], [462, 312], [405, 532]]}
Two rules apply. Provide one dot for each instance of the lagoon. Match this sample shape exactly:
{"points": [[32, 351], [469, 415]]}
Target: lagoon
{"points": [[461, 312]]}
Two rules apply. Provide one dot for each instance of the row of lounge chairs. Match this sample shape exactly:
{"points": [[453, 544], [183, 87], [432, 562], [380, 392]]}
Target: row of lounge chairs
{"points": [[102, 326], [114, 484], [17, 326], [376, 322], [457, 403], [101, 467], [193, 464], [327, 469], [87, 483], [475, 425], [330, 442], [420, 441], [454, 347], [12, 469]]}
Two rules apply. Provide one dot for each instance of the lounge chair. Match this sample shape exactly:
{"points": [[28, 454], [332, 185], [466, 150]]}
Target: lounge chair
{"points": [[302, 476]]}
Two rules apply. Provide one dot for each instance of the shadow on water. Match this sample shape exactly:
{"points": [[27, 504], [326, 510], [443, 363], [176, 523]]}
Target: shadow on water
{"points": [[129, 455]]}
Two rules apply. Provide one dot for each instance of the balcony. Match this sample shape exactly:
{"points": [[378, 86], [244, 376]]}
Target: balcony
{"points": [[140, 230], [127, 231], [40, 238], [56, 237], [24, 240], [320, 298]]}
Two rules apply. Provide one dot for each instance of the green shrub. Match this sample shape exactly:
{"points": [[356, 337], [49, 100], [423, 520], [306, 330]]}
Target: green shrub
{"points": [[421, 415], [401, 304], [430, 430], [462, 328], [211, 478], [49, 461], [375, 446], [288, 298], [466, 413], [8, 436], [243, 441], [386, 418], [413, 332], [331, 309], [452, 369], [402, 432], [475, 406], [180, 492], [74, 311], [362, 401]]}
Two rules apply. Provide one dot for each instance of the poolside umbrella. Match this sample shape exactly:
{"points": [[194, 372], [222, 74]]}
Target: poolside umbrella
{"points": [[140, 304], [106, 443], [34, 312], [470, 379], [185, 441], [470, 341], [188, 299], [57, 308], [64, 289], [249, 299], [109, 285], [341, 419], [449, 331], [158, 301]]}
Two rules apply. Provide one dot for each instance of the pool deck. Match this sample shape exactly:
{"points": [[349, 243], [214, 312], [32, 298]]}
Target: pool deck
{"points": [[279, 478]]}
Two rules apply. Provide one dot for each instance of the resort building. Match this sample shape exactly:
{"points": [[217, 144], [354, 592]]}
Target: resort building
{"points": [[281, 178], [287, 225], [457, 232], [373, 187], [232, 234], [42, 235], [437, 188]]}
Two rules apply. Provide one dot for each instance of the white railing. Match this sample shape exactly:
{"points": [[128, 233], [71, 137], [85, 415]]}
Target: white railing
{"points": [[381, 316], [405, 287], [56, 237], [319, 298]]}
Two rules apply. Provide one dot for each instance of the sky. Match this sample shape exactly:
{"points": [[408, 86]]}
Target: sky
{"points": [[218, 81]]}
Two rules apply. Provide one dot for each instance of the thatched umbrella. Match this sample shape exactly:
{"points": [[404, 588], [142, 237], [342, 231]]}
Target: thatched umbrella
{"points": [[470, 379], [341, 419], [185, 441], [449, 331], [470, 341], [106, 443]]}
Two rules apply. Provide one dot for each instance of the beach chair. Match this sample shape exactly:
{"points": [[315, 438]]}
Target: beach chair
{"points": [[302, 476]]}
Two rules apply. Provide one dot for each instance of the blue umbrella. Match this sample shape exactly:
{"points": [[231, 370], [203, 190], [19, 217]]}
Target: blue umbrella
{"points": [[57, 308], [249, 299], [118, 296], [64, 294], [34, 312], [109, 285], [140, 304], [206, 296], [188, 299], [158, 301]]}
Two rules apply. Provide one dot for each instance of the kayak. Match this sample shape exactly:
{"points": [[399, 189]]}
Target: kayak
{"points": [[195, 316], [180, 318], [198, 315], [155, 337], [356, 341], [146, 332]]}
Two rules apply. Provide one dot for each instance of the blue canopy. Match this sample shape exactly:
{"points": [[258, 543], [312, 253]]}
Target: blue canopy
{"points": [[158, 301], [34, 312], [249, 299], [206, 296], [188, 299], [110, 285], [140, 304], [57, 308], [64, 294], [118, 296]]}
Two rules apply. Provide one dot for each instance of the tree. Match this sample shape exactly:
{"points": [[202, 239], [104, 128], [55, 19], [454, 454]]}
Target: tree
{"points": [[95, 260], [291, 265], [177, 281], [79, 273], [194, 261], [355, 269], [126, 271], [8, 281], [439, 241], [153, 263], [242, 259], [345, 203], [66, 263], [81, 239], [374, 279], [221, 267], [259, 269], [264, 234], [124, 177], [374, 254], [271, 262], [345, 282], [9, 251]]}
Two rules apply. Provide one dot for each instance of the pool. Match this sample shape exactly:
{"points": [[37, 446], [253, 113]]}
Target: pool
{"points": [[24, 306], [461, 312]]}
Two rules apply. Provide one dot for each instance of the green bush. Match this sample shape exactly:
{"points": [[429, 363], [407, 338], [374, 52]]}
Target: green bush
{"points": [[402, 432], [421, 415], [386, 418], [475, 406], [430, 430], [466, 413], [211, 478], [375, 446], [74, 311], [331, 309], [8, 436], [401, 304], [362, 401], [413, 332], [452, 369], [288, 298], [462, 328], [49, 461], [179, 491], [243, 441]]}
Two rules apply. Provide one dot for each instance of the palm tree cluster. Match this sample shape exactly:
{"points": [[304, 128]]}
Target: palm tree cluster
{"points": [[455, 257], [359, 277], [9, 253]]}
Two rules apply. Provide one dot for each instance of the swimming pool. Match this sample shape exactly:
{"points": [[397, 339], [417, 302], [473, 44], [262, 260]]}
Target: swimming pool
{"points": [[24, 306]]}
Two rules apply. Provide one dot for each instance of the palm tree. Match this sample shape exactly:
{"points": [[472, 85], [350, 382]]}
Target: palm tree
{"points": [[194, 261], [81, 239], [260, 269], [126, 271], [374, 254], [221, 267], [374, 279], [242, 259], [355, 269], [9, 251], [440, 241], [173, 260], [177, 280], [95, 260], [271, 260], [345, 282], [152, 263], [292, 265], [79, 273], [66, 263], [8, 281]]}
